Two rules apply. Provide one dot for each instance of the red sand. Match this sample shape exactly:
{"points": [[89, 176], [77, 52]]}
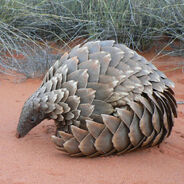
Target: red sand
{"points": [[34, 159]]}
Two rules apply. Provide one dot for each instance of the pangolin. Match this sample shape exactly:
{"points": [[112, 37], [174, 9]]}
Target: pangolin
{"points": [[105, 98]]}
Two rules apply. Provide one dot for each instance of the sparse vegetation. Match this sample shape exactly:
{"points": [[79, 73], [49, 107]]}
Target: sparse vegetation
{"points": [[24, 24]]}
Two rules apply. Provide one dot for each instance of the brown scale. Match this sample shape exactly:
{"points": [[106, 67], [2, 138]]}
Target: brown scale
{"points": [[105, 99]]}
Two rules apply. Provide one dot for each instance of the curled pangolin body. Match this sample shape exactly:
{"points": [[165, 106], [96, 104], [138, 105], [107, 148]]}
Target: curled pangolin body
{"points": [[105, 98]]}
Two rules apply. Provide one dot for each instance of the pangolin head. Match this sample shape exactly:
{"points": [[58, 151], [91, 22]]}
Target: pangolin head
{"points": [[30, 116]]}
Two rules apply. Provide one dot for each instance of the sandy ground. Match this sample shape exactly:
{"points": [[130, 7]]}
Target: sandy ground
{"points": [[34, 159]]}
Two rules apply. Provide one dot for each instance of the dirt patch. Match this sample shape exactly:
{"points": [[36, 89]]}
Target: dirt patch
{"points": [[34, 158]]}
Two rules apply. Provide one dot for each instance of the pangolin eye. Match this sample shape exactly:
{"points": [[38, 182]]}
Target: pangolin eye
{"points": [[32, 119]]}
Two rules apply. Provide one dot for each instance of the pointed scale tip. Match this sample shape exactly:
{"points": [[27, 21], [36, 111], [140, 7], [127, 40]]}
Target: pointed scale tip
{"points": [[58, 141]]}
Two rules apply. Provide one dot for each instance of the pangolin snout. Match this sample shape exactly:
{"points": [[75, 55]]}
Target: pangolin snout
{"points": [[18, 135]]}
